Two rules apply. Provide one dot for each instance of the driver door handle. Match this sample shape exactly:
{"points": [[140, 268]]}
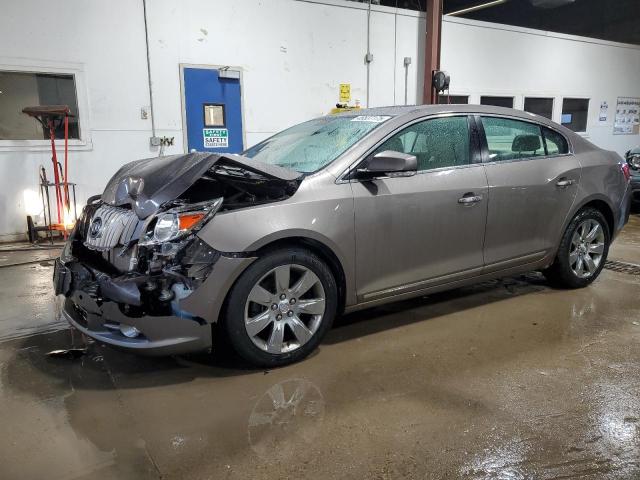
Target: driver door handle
{"points": [[469, 199], [565, 182]]}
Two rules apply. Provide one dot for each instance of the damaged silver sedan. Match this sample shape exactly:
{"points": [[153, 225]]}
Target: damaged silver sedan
{"points": [[333, 215]]}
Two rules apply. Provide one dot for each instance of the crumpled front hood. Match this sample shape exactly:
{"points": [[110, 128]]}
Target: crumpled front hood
{"points": [[149, 183]]}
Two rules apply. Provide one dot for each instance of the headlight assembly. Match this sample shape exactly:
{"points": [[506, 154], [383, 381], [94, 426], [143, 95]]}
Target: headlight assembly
{"points": [[178, 222]]}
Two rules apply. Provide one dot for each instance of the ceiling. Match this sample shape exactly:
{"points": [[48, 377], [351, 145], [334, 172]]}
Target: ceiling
{"points": [[616, 20]]}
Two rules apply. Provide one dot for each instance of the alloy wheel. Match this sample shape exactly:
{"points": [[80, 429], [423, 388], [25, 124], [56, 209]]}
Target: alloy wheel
{"points": [[284, 308], [587, 248]]}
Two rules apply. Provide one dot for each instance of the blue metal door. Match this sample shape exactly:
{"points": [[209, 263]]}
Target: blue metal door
{"points": [[213, 111]]}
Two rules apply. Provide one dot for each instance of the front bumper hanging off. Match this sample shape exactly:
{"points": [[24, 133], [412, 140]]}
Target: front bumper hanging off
{"points": [[89, 306]]}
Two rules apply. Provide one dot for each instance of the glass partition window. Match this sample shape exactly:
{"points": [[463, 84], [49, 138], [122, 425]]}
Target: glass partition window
{"points": [[452, 99], [512, 139], [497, 101], [574, 113], [25, 89], [539, 106], [213, 115], [436, 143]]}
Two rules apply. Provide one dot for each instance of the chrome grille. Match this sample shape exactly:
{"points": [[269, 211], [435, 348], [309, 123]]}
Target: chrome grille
{"points": [[110, 226]]}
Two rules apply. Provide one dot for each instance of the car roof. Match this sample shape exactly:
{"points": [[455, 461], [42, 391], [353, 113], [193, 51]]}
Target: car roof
{"points": [[398, 111]]}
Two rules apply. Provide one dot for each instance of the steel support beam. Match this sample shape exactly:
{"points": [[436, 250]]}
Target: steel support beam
{"points": [[432, 49]]}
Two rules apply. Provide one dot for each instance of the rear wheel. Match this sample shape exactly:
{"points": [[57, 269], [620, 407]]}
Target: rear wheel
{"points": [[281, 307], [583, 251]]}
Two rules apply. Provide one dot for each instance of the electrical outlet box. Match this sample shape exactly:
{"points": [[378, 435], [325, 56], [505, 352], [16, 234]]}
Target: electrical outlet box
{"points": [[155, 141], [407, 61], [368, 58]]}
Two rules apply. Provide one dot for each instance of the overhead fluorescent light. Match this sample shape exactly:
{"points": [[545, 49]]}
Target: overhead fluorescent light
{"points": [[477, 7]]}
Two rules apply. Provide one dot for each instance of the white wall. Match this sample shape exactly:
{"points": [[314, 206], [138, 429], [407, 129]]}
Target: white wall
{"points": [[293, 54], [102, 43], [488, 59]]}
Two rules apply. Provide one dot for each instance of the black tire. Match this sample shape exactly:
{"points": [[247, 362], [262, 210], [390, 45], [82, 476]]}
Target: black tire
{"points": [[560, 274], [234, 321]]}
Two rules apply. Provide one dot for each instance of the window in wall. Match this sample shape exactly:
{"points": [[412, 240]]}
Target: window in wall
{"points": [[497, 101], [446, 99], [436, 143], [23, 89], [511, 139], [213, 115], [556, 143], [574, 113], [539, 106]]}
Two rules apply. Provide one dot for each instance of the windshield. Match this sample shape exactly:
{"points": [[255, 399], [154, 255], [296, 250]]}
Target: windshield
{"points": [[311, 145]]}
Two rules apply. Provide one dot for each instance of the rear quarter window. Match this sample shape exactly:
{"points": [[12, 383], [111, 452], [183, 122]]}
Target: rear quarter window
{"points": [[556, 143]]}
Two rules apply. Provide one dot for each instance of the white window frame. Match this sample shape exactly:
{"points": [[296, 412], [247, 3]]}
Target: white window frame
{"points": [[19, 65]]}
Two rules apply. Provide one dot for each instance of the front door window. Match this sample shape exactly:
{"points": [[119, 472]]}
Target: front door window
{"points": [[436, 143]]}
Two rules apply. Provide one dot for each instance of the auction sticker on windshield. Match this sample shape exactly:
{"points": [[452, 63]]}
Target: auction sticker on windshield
{"points": [[215, 137], [371, 118]]}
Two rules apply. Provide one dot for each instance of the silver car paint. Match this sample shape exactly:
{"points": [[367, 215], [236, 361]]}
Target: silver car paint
{"points": [[396, 251], [404, 236], [320, 210], [526, 207]]}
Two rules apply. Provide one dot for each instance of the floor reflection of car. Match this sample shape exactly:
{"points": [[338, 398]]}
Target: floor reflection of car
{"points": [[335, 214], [633, 159]]}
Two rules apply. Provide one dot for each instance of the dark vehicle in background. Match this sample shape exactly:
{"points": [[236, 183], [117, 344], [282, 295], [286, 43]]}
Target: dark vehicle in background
{"points": [[633, 159], [334, 215]]}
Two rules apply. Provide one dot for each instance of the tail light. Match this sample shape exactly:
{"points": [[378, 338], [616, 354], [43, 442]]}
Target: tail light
{"points": [[625, 171]]}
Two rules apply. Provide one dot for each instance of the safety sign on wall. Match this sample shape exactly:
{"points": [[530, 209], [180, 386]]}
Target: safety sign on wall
{"points": [[345, 92], [215, 137], [627, 121]]}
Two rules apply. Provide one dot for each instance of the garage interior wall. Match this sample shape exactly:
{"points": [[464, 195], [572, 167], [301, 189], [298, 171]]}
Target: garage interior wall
{"points": [[293, 55]]}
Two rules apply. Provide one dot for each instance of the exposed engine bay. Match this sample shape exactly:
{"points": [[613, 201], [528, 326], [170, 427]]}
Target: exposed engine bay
{"points": [[137, 244]]}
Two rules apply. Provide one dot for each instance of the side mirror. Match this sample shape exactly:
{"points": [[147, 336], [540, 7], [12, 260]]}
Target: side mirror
{"points": [[389, 162]]}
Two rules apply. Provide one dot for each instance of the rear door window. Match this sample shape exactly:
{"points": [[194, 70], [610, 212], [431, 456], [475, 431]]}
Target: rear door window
{"points": [[509, 139]]}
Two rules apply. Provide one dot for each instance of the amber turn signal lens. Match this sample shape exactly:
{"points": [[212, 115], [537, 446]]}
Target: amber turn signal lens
{"points": [[188, 220]]}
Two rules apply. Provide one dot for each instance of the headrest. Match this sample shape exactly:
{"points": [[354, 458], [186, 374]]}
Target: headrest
{"points": [[395, 144], [526, 143]]}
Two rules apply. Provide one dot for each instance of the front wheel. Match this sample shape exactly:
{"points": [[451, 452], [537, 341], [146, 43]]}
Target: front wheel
{"points": [[583, 251], [281, 307]]}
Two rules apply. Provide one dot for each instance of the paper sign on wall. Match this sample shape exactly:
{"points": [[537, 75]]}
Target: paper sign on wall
{"points": [[627, 121], [215, 137], [604, 109], [345, 92]]}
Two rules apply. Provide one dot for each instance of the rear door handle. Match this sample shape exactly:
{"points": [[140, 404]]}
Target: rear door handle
{"points": [[565, 182], [469, 199]]}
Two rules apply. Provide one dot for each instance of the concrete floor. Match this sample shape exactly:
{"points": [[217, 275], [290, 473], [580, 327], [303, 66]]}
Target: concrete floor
{"points": [[507, 379]]}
